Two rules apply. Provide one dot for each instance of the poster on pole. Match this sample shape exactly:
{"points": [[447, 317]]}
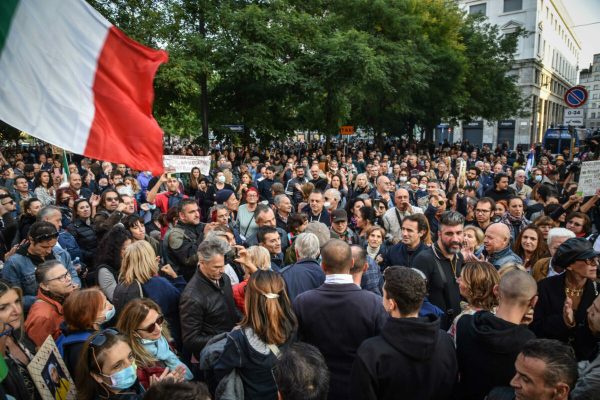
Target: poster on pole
{"points": [[178, 164], [589, 178], [50, 374]]}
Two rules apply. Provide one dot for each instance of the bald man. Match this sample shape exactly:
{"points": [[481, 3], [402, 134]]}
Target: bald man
{"points": [[338, 316], [487, 345], [392, 219], [497, 246]]}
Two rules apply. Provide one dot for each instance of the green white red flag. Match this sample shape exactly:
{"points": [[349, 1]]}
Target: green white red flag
{"points": [[71, 78]]}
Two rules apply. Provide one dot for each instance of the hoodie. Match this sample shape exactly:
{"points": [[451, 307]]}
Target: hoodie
{"points": [[486, 348], [412, 359]]}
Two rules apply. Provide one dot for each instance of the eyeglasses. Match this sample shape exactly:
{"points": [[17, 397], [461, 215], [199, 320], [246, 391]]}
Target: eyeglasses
{"points": [[8, 202], [479, 211], [591, 261], [112, 199], [62, 278], [45, 237], [150, 328]]}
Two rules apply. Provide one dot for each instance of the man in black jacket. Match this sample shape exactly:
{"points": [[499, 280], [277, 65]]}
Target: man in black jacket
{"points": [[413, 358], [206, 306], [414, 229], [487, 345], [442, 263], [338, 316], [182, 240]]}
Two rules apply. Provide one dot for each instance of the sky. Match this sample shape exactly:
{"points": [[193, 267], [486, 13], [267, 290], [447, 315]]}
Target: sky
{"points": [[585, 12]]}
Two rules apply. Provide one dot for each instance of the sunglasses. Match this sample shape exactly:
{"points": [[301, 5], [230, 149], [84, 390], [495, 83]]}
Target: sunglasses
{"points": [[8, 202], [112, 199], [45, 237], [150, 328], [101, 337]]}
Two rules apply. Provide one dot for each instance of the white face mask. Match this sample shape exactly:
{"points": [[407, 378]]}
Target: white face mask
{"points": [[221, 179], [403, 179], [327, 204], [423, 187]]}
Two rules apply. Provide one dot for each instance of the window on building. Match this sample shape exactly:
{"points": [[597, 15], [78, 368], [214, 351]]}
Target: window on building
{"points": [[477, 9], [513, 5], [593, 115]]}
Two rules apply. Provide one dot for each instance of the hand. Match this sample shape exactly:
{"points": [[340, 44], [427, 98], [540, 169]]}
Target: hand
{"points": [[121, 207], [379, 259], [12, 251], [209, 227], [168, 270], [163, 178], [568, 315], [11, 173], [95, 200]]}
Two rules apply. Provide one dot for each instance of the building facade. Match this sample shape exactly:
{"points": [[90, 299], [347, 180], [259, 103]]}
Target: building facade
{"points": [[590, 78], [546, 64]]}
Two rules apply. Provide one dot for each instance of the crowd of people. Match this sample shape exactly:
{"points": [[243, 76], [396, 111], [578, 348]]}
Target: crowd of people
{"points": [[408, 271]]}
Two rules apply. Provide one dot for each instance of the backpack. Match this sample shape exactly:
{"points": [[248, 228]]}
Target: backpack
{"points": [[231, 386], [78, 337]]}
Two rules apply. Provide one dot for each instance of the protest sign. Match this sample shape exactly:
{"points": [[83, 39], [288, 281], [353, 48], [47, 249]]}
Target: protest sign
{"points": [[589, 178], [50, 374], [175, 163]]}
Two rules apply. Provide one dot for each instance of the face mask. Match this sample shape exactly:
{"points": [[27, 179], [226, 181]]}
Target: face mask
{"points": [[125, 378], [402, 179], [221, 179], [422, 187], [126, 190], [327, 204], [109, 314], [538, 178]]}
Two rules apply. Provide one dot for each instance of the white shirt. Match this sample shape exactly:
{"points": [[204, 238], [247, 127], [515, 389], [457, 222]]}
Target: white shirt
{"points": [[338, 279]]}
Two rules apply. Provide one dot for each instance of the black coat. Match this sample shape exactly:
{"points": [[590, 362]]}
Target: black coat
{"points": [[412, 359], [443, 290], [399, 254], [205, 310], [548, 315], [337, 318], [486, 348], [87, 240]]}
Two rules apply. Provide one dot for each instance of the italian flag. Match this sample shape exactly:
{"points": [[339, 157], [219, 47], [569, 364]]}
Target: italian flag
{"points": [[70, 78]]}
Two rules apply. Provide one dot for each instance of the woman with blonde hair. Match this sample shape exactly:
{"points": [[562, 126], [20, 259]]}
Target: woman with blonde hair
{"points": [[251, 259], [140, 277], [476, 284], [147, 333], [268, 327], [473, 242]]}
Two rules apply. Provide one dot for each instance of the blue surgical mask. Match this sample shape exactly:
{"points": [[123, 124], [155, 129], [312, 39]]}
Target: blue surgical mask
{"points": [[109, 314], [124, 379], [538, 178]]}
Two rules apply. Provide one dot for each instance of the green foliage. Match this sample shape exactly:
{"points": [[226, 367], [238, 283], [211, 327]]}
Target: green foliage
{"points": [[278, 66]]}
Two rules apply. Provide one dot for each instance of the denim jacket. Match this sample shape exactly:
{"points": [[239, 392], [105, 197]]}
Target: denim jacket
{"points": [[19, 271], [503, 257]]}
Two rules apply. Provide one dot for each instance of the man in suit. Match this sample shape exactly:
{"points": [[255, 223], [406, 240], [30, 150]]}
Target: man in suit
{"points": [[338, 316]]}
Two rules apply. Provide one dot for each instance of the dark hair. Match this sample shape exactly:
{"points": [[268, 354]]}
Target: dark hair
{"points": [[452, 218], [406, 287], [67, 190], [27, 203], [183, 203], [295, 221], [422, 225], [561, 364], [498, 177], [103, 197], [168, 390], [488, 200], [41, 271], [37, 181], [301, 373], [541, 251], [368, 214], [131, 220], [587, 222], [264, 231], [109, 249], [476, 169], [42, 232]]}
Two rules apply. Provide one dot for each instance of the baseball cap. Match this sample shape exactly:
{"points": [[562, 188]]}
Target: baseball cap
{"points": [[339, 215]]}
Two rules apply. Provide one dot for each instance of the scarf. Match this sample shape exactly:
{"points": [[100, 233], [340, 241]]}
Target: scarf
{"points": [[372, 252]]}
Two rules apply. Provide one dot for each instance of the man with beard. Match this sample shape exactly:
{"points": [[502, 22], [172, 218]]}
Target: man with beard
{"points": [[442, 263]]}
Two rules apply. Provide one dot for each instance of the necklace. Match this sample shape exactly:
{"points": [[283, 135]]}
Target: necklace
{"points": [[573, 292]]}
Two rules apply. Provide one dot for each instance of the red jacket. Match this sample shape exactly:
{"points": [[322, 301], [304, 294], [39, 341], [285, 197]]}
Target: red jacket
{"points": [[44, 318], [239, 293]]}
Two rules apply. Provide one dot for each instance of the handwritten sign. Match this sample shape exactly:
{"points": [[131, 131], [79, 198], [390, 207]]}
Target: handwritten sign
{"points": [[589, 178], [174, 163]]}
